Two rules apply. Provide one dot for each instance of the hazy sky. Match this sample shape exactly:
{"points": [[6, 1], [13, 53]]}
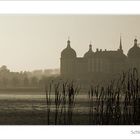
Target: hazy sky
{"points": [[29, 42]]}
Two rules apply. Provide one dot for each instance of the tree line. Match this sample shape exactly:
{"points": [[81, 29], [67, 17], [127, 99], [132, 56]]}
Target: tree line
{"points": [[22, 79]]}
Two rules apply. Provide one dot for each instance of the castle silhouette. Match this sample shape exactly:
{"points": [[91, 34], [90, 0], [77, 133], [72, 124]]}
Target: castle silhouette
{"points": [[98, 65]]}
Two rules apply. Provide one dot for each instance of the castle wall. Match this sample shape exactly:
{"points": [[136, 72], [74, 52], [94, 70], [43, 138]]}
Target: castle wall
{"points": [[68, 67], [85, 68]]}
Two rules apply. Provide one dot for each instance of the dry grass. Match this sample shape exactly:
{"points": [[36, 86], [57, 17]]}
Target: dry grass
{"points": [[64, 102], [113, 104], [117, 103]]}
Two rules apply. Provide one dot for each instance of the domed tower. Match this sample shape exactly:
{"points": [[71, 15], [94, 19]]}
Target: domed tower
{"points": [[88, 56], [89, 53], [134, 56], [67, 64]]}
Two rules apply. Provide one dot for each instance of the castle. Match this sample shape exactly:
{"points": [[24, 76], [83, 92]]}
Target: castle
{"points": [[98, 65]]}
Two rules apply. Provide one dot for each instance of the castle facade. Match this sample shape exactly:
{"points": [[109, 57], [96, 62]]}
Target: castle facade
{"points": [[99, 64]]}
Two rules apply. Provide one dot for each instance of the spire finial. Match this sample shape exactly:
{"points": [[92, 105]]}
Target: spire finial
{"points": [[120, 42], [90, 46], [68, 42], [135, 41]]}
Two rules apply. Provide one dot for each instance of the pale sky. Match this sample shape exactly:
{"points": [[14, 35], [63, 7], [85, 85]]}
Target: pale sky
{"points": [[29, 42]]}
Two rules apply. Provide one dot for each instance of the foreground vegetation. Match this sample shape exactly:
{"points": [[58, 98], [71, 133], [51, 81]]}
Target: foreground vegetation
{"points": [[113, 104]]}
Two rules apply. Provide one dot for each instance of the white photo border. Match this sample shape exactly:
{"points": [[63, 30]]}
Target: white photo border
{"points": [[70, 7]]}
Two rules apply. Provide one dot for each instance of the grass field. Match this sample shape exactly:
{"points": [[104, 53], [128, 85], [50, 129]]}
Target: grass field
{"points": [[28, 108]]}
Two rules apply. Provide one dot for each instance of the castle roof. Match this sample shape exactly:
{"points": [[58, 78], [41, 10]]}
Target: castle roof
{"points": [[89, 53], [134, 52], [68, 52], [110, 54]]}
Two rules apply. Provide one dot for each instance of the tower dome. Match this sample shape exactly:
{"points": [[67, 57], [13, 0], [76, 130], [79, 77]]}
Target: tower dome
{"points": [[134, 52], [90, 52], [68, 52]]}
